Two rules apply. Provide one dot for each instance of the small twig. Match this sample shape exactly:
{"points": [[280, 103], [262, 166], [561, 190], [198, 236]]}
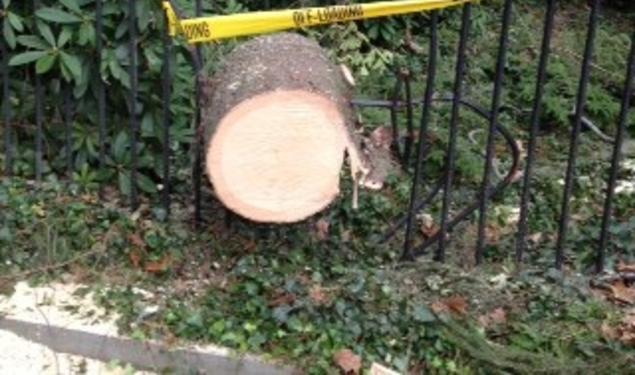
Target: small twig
{"points": [[98, 248], [48, 324], [594, 65]]}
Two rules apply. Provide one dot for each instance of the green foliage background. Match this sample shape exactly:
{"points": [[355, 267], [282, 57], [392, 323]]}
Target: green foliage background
{"points": [[58, 43]]}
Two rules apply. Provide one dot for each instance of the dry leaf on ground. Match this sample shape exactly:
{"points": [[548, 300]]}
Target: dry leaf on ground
{"points": [[623, 267], [159, 266], [136, 240], [283, 299], [428, 227], [624, 332], [348, 362], [135, 257], [494, 318], [319, 295], [322, 229], [623, 293], [456, 305]]}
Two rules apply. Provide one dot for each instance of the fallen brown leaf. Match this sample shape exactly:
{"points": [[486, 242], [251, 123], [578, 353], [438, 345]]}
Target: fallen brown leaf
{"points": [[494, 318], [623, 267], [430, 231], [135, 258], [382, 137], [623, 293], [283, 298], [439, 307], [455, 305], [319, 296], [159, 266], [608, 332], [348, 362], [428, 227], [136, 240], [492, 234], [624, 331], [322, 229]]}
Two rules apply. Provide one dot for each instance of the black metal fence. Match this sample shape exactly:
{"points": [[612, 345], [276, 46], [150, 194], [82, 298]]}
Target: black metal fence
{"points": [[396, 106]]}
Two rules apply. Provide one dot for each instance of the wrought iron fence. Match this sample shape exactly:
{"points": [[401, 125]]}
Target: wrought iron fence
{"points": [[396, 106]]}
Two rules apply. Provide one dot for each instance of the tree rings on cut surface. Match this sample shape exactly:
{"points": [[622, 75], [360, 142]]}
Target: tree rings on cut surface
{"points": [[276, 125]]}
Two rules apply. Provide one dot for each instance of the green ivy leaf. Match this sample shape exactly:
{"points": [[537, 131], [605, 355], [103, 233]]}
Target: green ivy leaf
{"points": [[26, 57], [45, 63], [423, 314], [119, 147], [9, 35], [64, 37], [146, 184], [57, 16], [124, 183], [32, 41], [15, 21], [46, 33], [72, 5], [74, 65]]}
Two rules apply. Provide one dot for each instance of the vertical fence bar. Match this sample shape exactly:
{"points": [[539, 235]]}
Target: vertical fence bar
{"points": [[536, 113], [454, 125], [134, 121], [615, 163], [491, 137], [100, 87], [575, 133], [394, 116], [68, 117], [167, 118], [423, 130], [197, 172], [6, 105], [410, 137], [39, 118]]}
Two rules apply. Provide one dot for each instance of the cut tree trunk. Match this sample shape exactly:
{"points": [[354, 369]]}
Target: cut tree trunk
{"points": [[277, 123]]}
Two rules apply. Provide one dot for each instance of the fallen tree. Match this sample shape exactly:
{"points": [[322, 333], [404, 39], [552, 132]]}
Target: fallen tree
{"points": [[278, 121]]}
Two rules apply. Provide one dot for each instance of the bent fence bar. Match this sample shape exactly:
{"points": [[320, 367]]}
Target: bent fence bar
{"points": [[396, 106]]}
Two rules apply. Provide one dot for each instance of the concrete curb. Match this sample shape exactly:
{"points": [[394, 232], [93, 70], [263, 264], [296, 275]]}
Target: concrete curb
{"points": [[146, 355]]}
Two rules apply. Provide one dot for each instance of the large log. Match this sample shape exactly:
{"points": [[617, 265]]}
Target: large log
{"points": [[277, 121]]}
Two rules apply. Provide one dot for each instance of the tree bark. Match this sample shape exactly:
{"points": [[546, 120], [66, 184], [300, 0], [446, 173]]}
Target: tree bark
{"points": [[277, 121]]}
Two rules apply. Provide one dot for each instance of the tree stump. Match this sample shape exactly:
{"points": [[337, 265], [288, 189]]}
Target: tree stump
{"points": [[278, 121]]}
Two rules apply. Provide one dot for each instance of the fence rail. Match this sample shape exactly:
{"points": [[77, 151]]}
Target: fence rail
{"points": [[397, 106]]}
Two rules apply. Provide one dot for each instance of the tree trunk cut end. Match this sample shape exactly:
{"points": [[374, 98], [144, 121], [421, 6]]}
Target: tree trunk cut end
{"points": [[277, 156]]}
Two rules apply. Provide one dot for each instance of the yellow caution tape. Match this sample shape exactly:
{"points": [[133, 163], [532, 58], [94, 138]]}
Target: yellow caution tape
{"points": [[207, 29]]}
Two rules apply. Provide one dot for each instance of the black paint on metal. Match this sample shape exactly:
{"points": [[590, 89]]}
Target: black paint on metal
{"points": [[6, 104], [454, 128], [167, 119], [394, 117], [197, 146], [68, 120], [423, 131], [575, 133], [511, 144], [39, 118], [615, 162], [536, 113], [465, 213], [410, 137], [100, 88], [485, 193], [134, 119]]}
